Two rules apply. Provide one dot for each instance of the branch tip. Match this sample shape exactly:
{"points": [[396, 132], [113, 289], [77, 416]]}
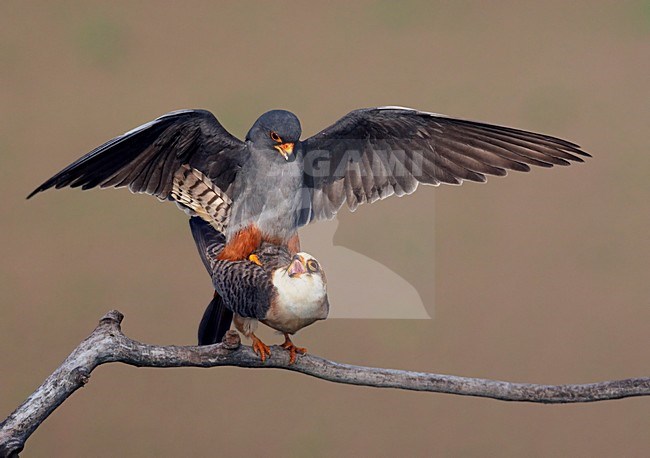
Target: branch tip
{"points": [[112, 317]]}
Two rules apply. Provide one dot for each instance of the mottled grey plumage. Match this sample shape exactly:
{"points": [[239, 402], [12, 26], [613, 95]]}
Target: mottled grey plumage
{"points": [[247, 289], [365, 156], [245, 286]]}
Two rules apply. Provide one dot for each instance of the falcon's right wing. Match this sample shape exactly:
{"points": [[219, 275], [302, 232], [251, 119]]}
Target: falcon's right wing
{"points": [[185, 155]]}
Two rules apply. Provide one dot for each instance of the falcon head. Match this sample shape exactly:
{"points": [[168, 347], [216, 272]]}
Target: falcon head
{"points": [[305, 264], [301, 293], [276, 130]]}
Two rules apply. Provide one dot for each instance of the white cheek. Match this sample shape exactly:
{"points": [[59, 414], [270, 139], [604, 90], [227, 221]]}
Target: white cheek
{"points": [[300, 296]]}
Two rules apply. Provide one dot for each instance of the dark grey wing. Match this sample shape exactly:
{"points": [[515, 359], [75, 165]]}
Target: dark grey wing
{"points": [[209, 242], [164, 158], [373, 153], [245, 287]]}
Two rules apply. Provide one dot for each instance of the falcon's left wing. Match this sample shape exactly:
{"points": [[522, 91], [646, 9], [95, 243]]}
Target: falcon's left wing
{"points": [[373, 153]]}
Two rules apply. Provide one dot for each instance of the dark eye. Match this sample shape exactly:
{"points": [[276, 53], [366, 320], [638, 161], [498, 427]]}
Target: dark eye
{"points": [[312, 265], [275, 137]]}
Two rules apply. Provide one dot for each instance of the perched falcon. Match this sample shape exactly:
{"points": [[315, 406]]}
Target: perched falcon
{"points": [[287, 292], [266, 187]]}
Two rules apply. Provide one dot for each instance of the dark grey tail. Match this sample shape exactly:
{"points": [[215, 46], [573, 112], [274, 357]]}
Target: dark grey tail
{"points": [[215, 322]]}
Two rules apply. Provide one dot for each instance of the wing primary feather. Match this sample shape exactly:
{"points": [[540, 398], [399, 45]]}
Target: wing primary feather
{"points": [[401, 147], [490, 158], [146, 158], [522, 147]]}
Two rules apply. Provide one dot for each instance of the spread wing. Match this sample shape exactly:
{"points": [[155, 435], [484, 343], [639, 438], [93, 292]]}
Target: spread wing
{"points": [[244, 287], [373, 153], [186, 156]]}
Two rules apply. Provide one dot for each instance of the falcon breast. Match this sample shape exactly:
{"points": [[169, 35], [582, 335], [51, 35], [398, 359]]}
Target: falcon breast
{"points": [[300, 295]]}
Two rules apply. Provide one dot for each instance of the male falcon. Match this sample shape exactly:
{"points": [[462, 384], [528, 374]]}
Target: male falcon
{"points": [[287, 292], [266, 187]]}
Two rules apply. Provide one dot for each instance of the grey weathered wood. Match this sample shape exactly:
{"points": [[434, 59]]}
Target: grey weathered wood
{"points": [[108, 344]]}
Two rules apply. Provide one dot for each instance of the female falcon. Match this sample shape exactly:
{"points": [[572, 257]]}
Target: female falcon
{"points": [[287, 292]]}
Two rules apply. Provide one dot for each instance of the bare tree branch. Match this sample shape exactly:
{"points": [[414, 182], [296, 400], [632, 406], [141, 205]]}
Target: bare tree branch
{"points": [[108, 344]]}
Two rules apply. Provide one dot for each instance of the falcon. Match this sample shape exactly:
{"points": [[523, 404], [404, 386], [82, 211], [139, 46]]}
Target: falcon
{"points": [[287, 292], [266, 187]]}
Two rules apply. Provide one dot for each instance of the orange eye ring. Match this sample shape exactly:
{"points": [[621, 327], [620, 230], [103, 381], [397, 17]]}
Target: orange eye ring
{"points": [[275, 137], [312, 265]]}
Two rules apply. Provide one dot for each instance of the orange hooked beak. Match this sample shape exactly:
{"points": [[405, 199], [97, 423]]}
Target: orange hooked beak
{"points": [[285, 149]]}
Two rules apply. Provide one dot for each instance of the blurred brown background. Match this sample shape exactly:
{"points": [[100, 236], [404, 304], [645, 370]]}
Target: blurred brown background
{"points": [[540, 277]]}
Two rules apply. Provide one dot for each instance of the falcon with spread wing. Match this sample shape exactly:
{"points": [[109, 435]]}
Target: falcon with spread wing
{"points": [[266, 187], [287, 292]]}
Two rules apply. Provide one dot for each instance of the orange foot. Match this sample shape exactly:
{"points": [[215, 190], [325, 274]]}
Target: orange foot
{"points": [[253, 258], [293, 350], [260, 348]]}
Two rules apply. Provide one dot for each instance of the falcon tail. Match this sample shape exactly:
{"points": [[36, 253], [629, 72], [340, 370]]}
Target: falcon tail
{"points": [[216, 318], [215, 322]]}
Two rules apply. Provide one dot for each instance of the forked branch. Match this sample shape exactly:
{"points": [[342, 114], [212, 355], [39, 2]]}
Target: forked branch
{"points": [[108, 344]]}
